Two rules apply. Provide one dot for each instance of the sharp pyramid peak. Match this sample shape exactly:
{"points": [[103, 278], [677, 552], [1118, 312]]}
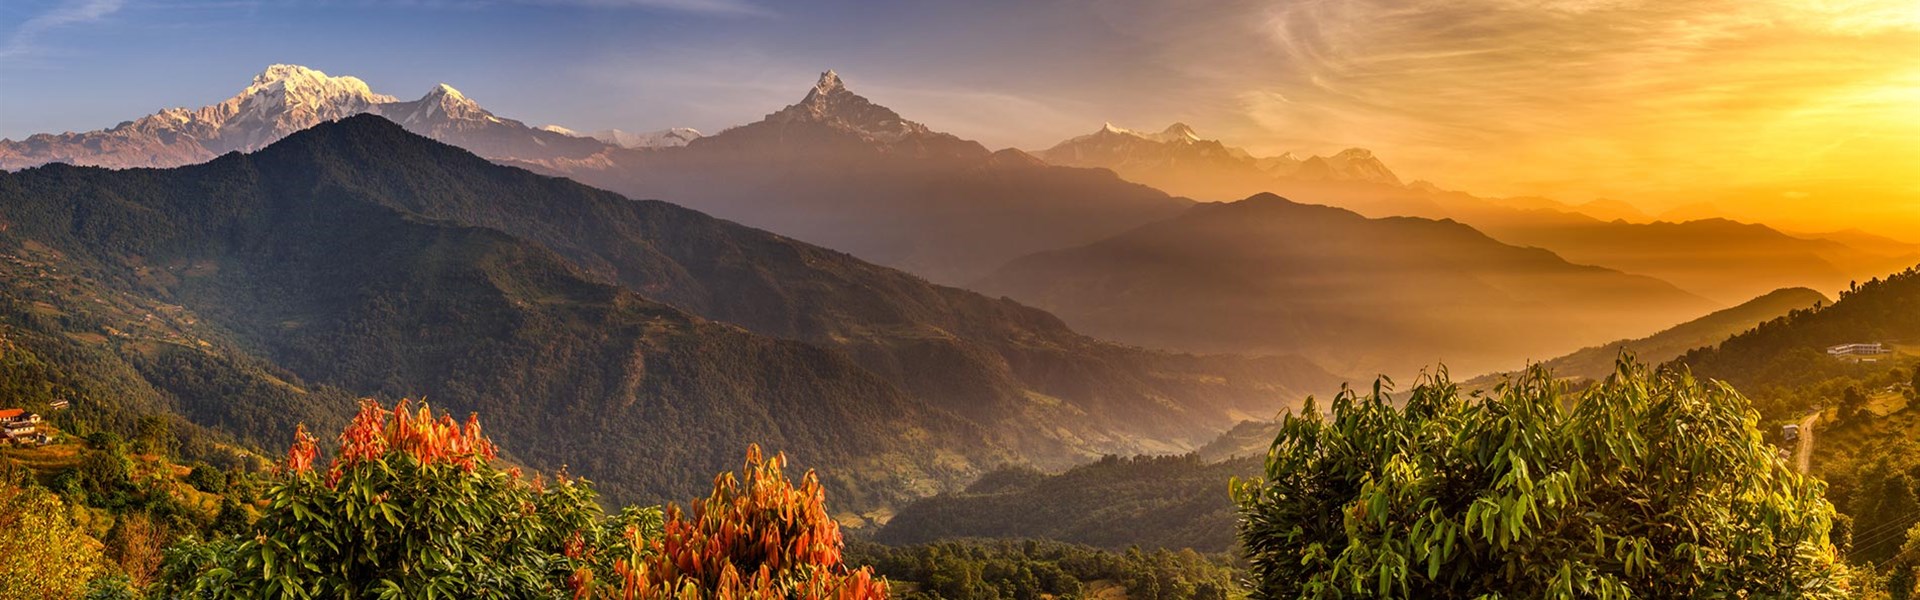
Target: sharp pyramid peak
{"points": [[829, 82]]}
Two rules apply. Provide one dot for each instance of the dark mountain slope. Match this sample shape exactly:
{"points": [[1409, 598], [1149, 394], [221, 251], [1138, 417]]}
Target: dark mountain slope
{"points": [[637, 394], [360, 256], [994, 361], [1269, 275]]}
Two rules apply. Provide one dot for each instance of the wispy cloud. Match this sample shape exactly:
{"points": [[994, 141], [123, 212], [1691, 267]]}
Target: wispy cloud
{"points": [[740, 8], [24, 40], [713, 8]]}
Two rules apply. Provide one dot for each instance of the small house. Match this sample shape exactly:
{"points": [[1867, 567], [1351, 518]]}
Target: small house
{"points": [[19, 426]]}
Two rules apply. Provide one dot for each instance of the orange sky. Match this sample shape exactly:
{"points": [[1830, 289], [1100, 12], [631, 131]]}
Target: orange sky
{"points": [[1804, 113]]}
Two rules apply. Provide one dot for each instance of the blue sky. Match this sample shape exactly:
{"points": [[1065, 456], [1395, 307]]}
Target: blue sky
{"points": [[1757, 105], [585, 64]]}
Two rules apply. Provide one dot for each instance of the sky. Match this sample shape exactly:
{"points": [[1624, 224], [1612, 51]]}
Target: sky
{"points": [[1800, 112]]}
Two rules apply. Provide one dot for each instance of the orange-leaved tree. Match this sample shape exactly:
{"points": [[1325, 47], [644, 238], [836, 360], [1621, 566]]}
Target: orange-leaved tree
{"points": [[410, 506], [758, 536]]}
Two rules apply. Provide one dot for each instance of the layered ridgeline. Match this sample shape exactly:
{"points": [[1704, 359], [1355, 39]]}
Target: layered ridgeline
{"points": [[1177, 159], [838, 170], [1722, 260], [1267, 275], [834, 169], [288, 98], [1790, 352], [355, 256], [1597, 362]]}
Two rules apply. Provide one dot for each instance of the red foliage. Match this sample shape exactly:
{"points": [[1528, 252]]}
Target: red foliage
{"points": [[377, 431], [764, 538], [300, 456]]}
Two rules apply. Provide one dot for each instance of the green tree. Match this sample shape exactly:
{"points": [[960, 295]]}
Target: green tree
{"points": [[43, 555], [1645, 485], [153, 435], [1853, 404], [206, 478]]}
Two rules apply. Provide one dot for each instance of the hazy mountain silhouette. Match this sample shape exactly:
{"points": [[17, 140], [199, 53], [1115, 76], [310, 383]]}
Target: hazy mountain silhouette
{"points": [[1268, 275]]}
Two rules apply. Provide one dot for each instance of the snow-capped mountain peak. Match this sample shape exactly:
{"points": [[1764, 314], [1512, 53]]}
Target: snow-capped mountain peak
{"points": [[1175, 133], [831, 103], [664, 138], [560, 130], [278, 101], [829, 83], [1179, 132], [282, 99]]}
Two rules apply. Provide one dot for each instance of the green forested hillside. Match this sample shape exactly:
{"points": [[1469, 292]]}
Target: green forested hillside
{"points": [[355, 258], [1780, 355], [1169, 502], [991, 360], [1861, 416], [1031, 569], [360, 296]]}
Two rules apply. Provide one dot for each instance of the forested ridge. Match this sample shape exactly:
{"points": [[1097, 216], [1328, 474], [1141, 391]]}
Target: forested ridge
{"points": [[358, 259]]}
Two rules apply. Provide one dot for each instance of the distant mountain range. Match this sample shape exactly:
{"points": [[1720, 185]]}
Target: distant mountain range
{"points": [[641, 343], [842, 171], [1722, 260], [281, 100], [838, 170], [1268, 275], [1177, 159]]}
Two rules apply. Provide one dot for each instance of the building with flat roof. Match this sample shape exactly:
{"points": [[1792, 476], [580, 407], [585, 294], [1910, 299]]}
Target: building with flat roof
{"points": [[1859, 352]]}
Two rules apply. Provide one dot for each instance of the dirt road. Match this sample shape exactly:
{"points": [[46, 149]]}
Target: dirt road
{"points": [[1803, 456]]}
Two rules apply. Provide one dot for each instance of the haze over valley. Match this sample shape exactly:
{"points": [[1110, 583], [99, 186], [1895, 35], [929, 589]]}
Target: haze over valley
{"points": [[1090, 307]]}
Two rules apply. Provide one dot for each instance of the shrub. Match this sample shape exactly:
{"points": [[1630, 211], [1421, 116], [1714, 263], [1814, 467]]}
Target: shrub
{"points": [[1645, 485], [756, 536]]}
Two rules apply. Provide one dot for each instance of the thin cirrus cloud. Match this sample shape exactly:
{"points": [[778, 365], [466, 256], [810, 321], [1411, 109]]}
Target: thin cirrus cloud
{"points": [[1596, 97], [24, 40]]}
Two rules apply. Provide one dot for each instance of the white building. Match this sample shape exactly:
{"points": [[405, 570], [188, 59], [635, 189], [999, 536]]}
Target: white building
{"points": [[1859, 352]]}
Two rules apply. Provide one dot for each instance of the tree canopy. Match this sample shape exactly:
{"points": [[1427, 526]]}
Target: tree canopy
{"points": [[1645, 485]]}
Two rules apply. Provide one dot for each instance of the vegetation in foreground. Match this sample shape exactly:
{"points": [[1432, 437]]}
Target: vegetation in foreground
{"points": [[1646, 485]]}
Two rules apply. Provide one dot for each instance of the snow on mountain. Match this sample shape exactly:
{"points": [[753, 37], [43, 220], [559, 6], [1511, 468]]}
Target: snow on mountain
{"points": [[279, 101], [1178, 152], [833, 119], [560, 130], [831, 103], [664, 138]]}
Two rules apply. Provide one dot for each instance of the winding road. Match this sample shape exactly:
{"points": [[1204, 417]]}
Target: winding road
{"points": [[1803, 456]]}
